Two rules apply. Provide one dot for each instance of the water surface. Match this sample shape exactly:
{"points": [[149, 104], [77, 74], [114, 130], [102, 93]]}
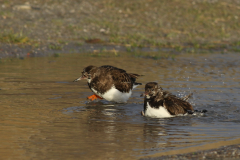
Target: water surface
{"points": [[44, 115]]}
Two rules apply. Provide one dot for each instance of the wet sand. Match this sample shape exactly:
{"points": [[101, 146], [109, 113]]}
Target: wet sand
{"points": [[228, 150], [34, 28]]}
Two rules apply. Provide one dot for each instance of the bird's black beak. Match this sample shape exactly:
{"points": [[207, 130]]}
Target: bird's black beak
{"points": [[80, 78]]}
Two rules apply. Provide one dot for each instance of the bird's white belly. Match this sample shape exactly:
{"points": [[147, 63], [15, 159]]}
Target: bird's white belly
{"points": [[89, 80], [114, 95], [160, 112]]}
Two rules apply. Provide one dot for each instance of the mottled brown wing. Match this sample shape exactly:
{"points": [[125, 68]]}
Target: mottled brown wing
{"points": [[107, 75], [122, 80], [101, 81], [110, 68], [176, 105], [134, 76]]}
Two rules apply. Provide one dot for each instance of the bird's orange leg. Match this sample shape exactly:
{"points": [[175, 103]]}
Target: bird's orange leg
{"points": [[93, 97]]}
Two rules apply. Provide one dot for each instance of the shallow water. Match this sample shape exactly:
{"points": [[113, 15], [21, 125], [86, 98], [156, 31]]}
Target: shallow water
{"points": [[44, 115]]}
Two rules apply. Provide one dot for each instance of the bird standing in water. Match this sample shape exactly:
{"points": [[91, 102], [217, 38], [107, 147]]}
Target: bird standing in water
{"points": [[162, 104], [110, 83]]}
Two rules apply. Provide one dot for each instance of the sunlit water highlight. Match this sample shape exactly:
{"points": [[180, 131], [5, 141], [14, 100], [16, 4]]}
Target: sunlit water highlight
{"points": [[44, 115]]}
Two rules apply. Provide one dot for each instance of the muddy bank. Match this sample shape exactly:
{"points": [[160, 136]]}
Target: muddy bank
{"points": [[185, 26], [12, 50], [224, 153], [21, 51]]}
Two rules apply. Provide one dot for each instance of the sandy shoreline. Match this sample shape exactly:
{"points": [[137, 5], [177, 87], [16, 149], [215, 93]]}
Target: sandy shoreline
{"points": [[218, 150], [226, 152]]}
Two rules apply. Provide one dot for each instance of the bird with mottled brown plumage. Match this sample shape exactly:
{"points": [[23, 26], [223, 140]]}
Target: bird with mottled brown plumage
{"points": [[110, 83], [162, 104]]}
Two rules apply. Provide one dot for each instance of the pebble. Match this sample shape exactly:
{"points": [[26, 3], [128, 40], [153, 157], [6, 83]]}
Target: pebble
{"points": [[223, 153], [25, 6]]}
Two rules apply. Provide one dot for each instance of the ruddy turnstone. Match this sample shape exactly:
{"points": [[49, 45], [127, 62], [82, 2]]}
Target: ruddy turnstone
{"points": [[110, 83], [161, 104]]}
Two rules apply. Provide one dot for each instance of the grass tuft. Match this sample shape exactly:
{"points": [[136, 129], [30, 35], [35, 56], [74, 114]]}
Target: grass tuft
{"points": [[55, 47], [15, 38]]}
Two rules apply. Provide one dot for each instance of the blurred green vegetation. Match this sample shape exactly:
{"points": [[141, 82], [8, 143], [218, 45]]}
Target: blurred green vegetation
{"points": [[180, 25], [11, 37]]}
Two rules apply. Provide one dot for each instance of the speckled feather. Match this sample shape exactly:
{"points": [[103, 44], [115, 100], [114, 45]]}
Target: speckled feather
{"points": [[104, 77], [158, 98], [111, 83]]}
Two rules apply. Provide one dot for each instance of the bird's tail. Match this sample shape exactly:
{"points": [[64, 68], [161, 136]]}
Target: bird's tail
{"points": [[186, 98], [136, 84], [133, 75]]}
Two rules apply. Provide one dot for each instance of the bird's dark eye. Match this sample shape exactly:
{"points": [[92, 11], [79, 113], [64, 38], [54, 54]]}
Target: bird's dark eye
{"points": [[152, 90]]}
